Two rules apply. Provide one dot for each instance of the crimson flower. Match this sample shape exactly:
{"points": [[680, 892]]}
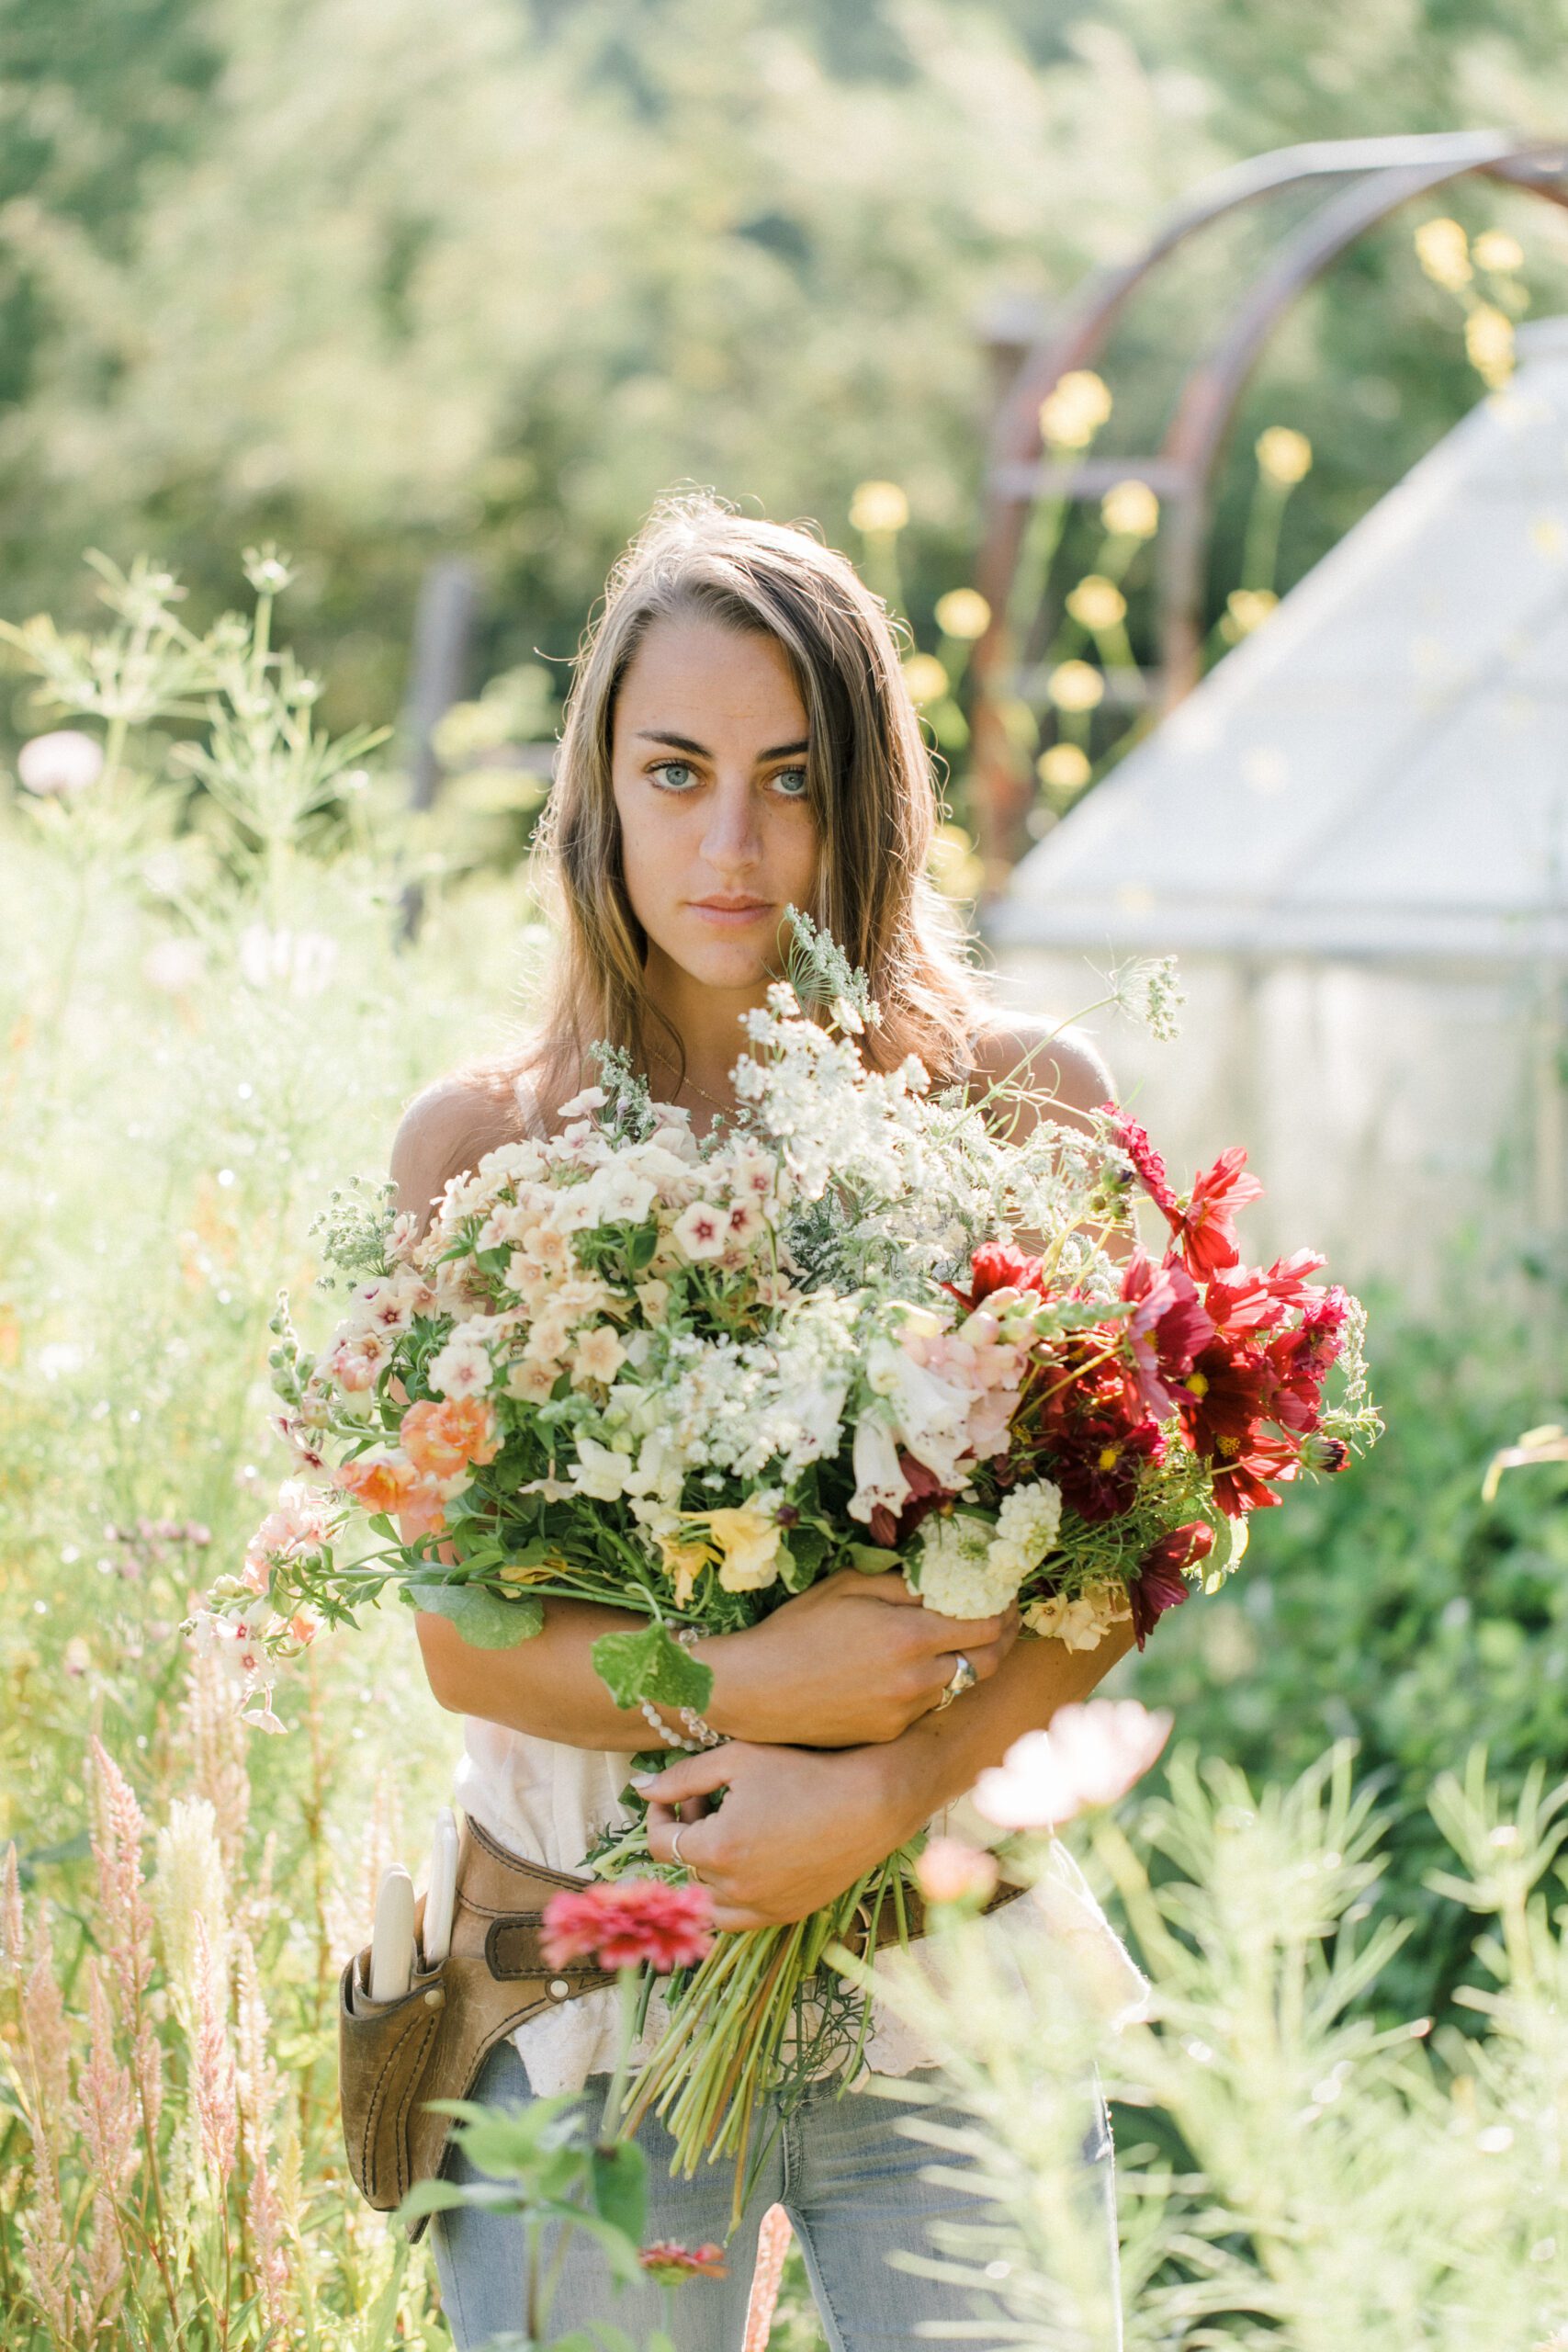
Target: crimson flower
{"points": [[1166, 1329], [1244, 1470], [1097, 1461], [1133, 1140], [1159, 1584], [1206, 1227], [625, 1921], [671, 2264], [998, 1265]]}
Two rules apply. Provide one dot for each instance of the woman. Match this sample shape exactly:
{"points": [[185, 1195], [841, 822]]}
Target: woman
{"points": [[739, 738]]}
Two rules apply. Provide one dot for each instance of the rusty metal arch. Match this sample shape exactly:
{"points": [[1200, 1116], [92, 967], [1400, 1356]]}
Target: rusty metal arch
{"points": [[1380, 174]]}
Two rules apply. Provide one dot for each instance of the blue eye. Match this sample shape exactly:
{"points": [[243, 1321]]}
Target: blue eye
{"points": [[662, 766], [802, 775]]}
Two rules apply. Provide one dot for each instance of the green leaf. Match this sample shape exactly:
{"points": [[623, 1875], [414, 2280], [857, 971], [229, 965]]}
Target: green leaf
{"points": [[651, 1664], [871, 1559], [430, 2197], [619, 2181], [481, 1616]]}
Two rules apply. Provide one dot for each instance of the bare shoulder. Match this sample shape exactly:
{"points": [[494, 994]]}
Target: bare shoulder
{"points": [[446, 1129], [1048, 1059]]}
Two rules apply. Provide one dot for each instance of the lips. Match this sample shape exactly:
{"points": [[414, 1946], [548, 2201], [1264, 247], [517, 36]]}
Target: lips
{"points": [[730, 906]]}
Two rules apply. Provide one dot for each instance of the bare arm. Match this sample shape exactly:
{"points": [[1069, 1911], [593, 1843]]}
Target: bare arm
{"points": [[853, 1660]]}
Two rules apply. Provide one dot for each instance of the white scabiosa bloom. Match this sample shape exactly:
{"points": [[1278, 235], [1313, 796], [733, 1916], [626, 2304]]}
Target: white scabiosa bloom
{"points": [[958, 1578]]}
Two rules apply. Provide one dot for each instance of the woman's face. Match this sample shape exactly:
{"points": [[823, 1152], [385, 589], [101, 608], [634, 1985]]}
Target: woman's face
{"points": [[708, 770]]}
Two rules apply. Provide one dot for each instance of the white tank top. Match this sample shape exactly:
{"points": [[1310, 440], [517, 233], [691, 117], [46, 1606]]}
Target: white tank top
{"points": [[547, 1801]]}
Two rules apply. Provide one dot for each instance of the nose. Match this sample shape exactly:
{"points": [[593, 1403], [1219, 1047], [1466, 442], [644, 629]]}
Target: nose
{"points": [[732, 840]]}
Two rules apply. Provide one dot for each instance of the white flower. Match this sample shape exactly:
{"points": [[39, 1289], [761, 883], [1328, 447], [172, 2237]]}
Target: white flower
{"points": [[702, 1230], [60, 764], [958, 1578], [931, 1415], [592, 1097], [878, 1479], [600, 1472], [1029, 1519], [1090, 1756], [462, 1368], [1081, 1623]]}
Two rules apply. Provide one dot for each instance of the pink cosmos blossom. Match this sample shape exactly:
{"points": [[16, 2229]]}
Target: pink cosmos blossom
{"points": [[1091, 1755], [625, 1921], [948, 1870]]}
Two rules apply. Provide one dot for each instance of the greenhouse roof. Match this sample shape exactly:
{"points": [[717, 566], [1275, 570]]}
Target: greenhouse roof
{"points": [[1382, 769]]}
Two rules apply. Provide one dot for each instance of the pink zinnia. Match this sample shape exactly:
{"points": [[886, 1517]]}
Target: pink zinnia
{"points": [[1091, 1755], [671, 2264], [627, 1921]]}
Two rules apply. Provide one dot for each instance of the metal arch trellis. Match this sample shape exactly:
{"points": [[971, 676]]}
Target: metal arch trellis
{"points": [[1372, 177]]}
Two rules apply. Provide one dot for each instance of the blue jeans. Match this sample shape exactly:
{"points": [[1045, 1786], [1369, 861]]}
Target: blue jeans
{"points": [[848, 2177]]}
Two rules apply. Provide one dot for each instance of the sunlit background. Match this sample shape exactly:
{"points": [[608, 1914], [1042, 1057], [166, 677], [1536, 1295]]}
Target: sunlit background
{"points": [[373, 335]]}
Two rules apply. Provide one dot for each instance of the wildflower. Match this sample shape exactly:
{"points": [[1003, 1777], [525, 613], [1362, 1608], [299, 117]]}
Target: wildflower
{"points": [[964, 614], [1159, 1584], [1091, 1755], [1082, 1623], [1285, 456], [59, 765], [879, 509], [1168, 1326], [1097, 1460], [1147, 1164], [1205, 1228], [998, 1265], [1073, 410], [671, 2264], [626, 1921], [700, 1230], [958, 1576], [748, 1538], [1096, 603], [948, 1870], [1130, 510], [1076, 685], [444, 1438]]}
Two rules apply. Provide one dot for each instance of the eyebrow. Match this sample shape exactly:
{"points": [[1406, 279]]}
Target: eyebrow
{"points": [[684, 743]]}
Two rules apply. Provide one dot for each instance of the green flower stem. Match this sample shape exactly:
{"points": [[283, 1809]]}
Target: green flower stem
{"points": [[626, 1980]]}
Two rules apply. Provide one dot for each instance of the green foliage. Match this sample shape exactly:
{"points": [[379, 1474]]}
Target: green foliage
{"points": [[1398, 1607]]}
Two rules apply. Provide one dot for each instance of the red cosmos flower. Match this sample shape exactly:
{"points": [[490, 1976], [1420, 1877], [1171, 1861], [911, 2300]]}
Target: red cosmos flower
{"points": [[1205, 1228], [1097, 1461], [627, 1921], [1302, 1359], [1133, 1140], [1228, 1394], [1159, 1584], [1244, 1472], [996, 1265], [671, 2264], [1166, 1329]]}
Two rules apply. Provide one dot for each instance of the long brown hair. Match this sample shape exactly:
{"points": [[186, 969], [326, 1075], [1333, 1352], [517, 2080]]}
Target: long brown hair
{"points": [[869, 784]]}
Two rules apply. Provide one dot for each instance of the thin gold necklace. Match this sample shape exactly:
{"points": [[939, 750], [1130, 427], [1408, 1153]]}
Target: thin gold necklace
{"points": [[728, 1108]]}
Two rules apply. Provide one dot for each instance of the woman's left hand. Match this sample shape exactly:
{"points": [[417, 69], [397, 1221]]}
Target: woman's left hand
{"points": [[796, 1827]]}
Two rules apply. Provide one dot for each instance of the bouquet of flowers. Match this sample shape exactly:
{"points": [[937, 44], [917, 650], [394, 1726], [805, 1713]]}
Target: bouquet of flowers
{"points": [[687, 1377]]}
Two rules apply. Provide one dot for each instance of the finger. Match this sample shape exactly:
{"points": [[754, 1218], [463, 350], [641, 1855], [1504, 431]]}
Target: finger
{"points": [[691, 1776], [968, 1634], [887, 1585], [661, 1833]]}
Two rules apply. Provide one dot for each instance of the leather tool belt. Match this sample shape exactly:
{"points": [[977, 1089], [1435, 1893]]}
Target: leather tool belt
{"points": [[431, 2042]]}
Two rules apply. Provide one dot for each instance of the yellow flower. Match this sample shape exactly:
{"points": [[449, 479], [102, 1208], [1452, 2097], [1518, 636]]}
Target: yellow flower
{"points": [[1073, 410], [684, 1558], [1285, 456], [963, 613], [1495, 250], [537, 1572], [1489, 343], [878, 508], [748, 1541], [1065, 766], [1076, 685], [1096, 603], [925, 677], [1443, 251], [1249, 607], [1130, 510]]}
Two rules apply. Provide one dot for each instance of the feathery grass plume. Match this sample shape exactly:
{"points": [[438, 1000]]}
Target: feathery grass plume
{"points": [[105, 2116], [117, 1831], [209, 1747], [190, 1884], [260, 2090], [213, 2085]]}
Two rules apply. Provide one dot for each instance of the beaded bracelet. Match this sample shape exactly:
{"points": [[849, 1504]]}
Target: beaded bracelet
{"points": [[706, 1736]]}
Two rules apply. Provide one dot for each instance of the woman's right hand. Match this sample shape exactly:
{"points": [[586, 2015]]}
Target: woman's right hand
{"points": [[849, 1662]]}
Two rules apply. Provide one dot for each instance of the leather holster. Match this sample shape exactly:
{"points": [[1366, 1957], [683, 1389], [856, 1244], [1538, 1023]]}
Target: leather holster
{"points": [[394, 2056]]}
